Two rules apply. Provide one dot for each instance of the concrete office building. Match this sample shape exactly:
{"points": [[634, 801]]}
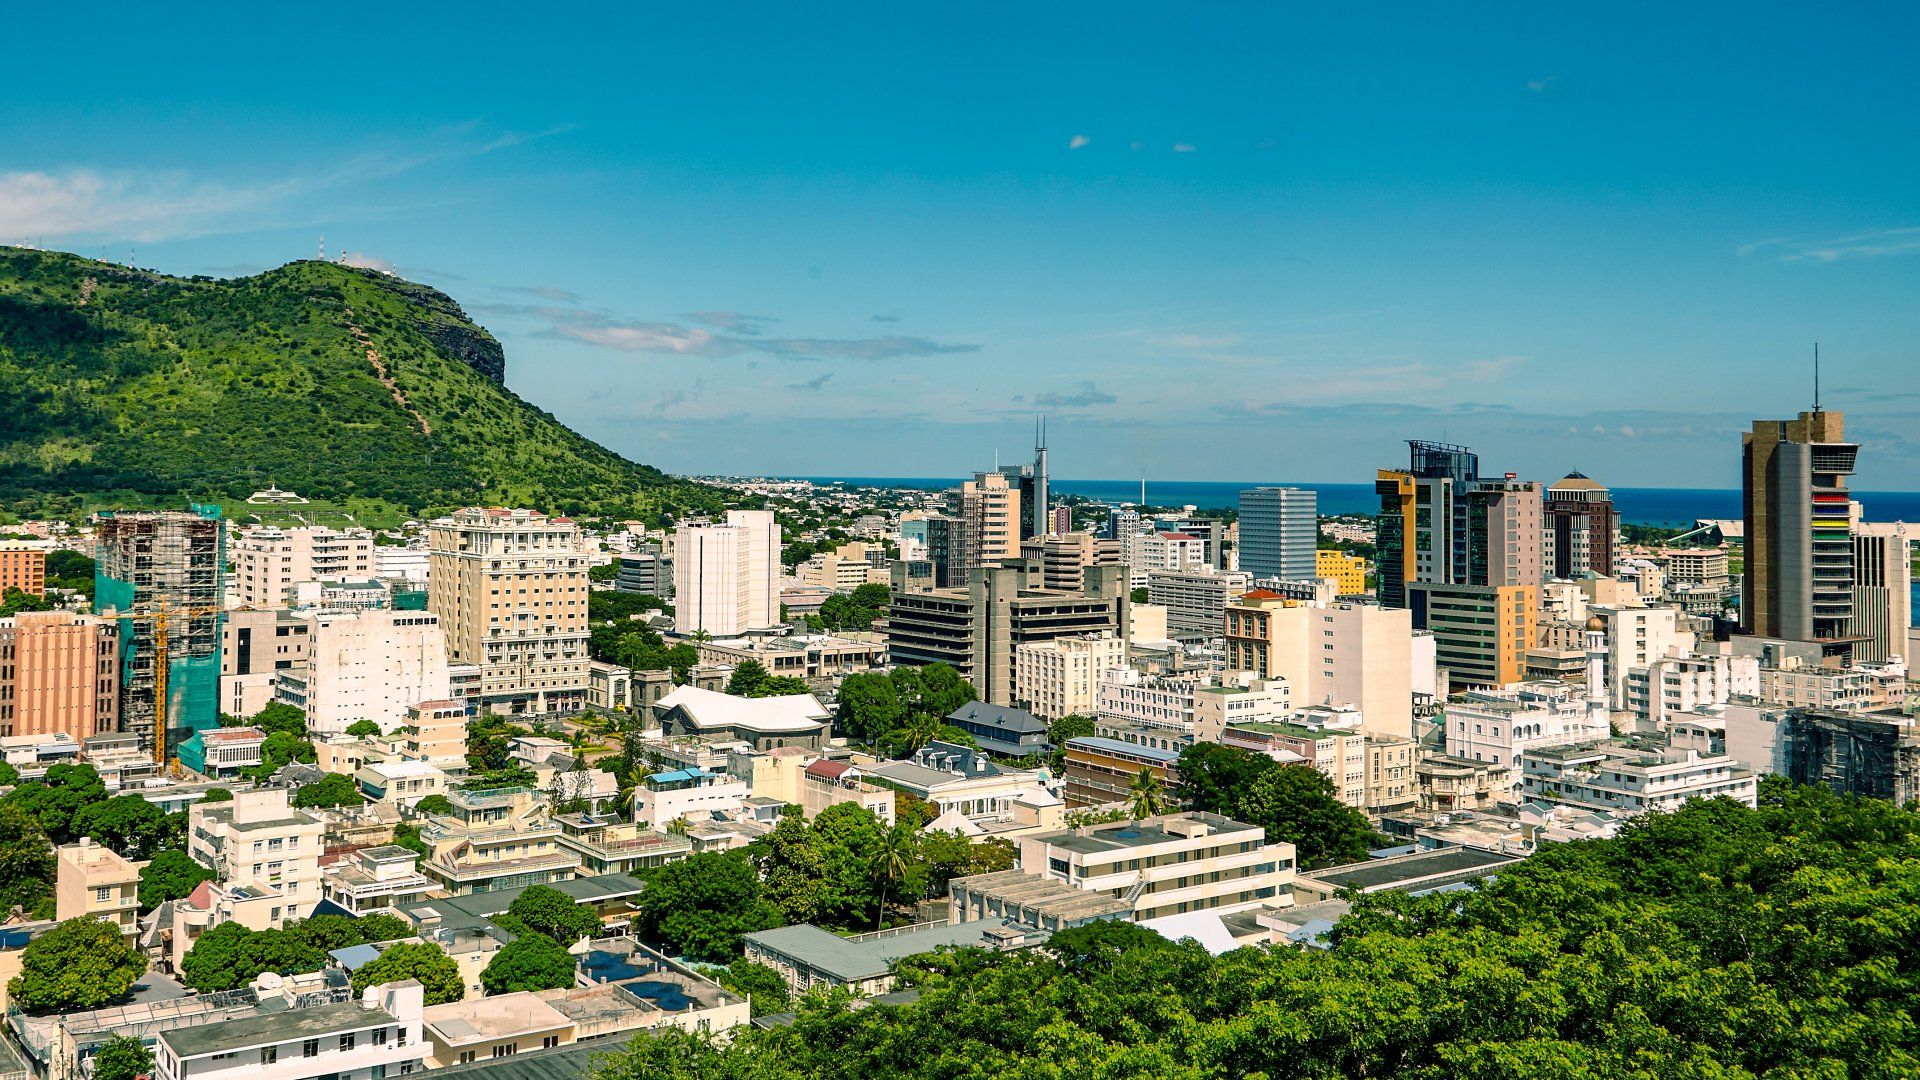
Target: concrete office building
{"points": [[986, 522], [1504, 533], [1481, 633], [510, 588], [1882, 591], [254, 647], [1628, 782], [371, 1039], [1581, 524], [1422, 531], [1348, 572], [413, 565], [726, 578], [1165, 865], [1196, 600], [647, 571], [976, 629], [1063, 558], [267, 560], [1799, 581], [369, 665], [59, 672], [1061, 676], [1279, 530], [1497, 726]]}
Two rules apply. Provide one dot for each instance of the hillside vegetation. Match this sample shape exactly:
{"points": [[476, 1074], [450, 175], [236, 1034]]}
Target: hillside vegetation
{"points": [[352, 387]]}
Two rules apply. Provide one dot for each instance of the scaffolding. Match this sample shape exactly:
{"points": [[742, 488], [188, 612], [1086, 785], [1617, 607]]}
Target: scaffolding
{"points": [[150, 560]]}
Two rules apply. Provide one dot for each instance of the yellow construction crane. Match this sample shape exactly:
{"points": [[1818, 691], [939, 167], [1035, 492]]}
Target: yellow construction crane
{"points": [[160, 616]]}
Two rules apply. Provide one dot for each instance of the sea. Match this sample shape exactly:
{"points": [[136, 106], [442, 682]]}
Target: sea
{"points": [[1637, 506]]}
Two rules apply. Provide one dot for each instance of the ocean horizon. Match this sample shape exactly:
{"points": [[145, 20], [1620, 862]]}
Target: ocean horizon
{"points": [[1637, 506]]}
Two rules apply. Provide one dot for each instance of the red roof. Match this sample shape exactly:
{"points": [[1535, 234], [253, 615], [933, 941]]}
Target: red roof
{"points": [[828, 770], [1178, 536], [1262, 594]]}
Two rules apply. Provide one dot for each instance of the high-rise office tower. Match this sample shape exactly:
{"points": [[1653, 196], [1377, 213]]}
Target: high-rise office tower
{"points": [[1279, 530], [1503, 532], [148, 561], [1798, 582], [510, 587], [1882, 590], [1425, 518], [1030, 482], [726, 578], [986, 510], [1580, 526]]}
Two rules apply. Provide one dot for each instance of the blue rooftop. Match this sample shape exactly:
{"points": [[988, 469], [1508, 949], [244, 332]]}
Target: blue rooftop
{"points": [[678, 775], [1115, 746]]}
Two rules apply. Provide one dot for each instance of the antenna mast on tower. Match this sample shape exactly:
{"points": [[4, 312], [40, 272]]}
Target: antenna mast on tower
{"points": [[1816, 376]]}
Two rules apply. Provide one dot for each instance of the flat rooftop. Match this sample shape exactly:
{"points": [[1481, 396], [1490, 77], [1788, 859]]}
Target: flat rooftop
{"points": [[273, 1027], [868, 956], [1420, 869], [486, 1019], [1045, 895], [1127, 835]]}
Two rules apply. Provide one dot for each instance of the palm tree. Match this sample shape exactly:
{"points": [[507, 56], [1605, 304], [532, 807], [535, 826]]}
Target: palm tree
{"points": [[1147, 795], [891, 863]]}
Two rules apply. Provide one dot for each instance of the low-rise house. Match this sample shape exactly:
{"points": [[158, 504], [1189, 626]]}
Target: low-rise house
{"points": [[763, 723], [825, 783], [1002, 729], [1443, 783], [1628, 780], [807, 956], [259, 844], [400, 782], [95, 881], [493, 839], [1100, 770], [370, 1039], [376, 879], [665, 797], [222, 753], [488, 1028], [605, 845], [958, 779], [1169, 864]]}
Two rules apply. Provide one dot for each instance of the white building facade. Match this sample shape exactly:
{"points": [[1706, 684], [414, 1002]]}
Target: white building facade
{"points": [[726, 577]]}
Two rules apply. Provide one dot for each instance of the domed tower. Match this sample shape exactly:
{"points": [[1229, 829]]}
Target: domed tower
{"points": [[1596, 646]]}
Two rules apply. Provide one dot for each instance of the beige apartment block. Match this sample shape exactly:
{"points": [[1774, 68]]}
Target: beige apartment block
{"points": [[510, 588], [437, 733], [94, 881], [260, 843], [267, 560], [23, 566], [1062, 676]]}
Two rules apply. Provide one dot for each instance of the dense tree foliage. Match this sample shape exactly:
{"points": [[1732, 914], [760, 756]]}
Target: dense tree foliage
{"points": [[27, 863], [132, 826], [765, 989], [57, 800], [904, 709], [230, 955], [171, 875], [529, 962], [363, 729], [1716, 942], [1294, 803], [82, 963], [640, 647], [702, 905], [424, 961], [160, 386], [549, 911], [856, 610], [122, 1057], [332, 789]]}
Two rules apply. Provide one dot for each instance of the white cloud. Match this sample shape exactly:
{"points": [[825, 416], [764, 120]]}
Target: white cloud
{"points": [[1541, 86], [1136, 145], [369, 262], [1183, 148], [1078, 141], [1867, 244], [651, 337]]}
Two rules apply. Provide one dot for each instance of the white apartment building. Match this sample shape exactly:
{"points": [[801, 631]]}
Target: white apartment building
{"points": [[267, 560], [1674, 686], [1166, 703], [372, 1039], [1061, 677], [1795, 683], [257, 842], [1166, 865], [367, 665], [726, 578], [1196, 599], [413, 565], [666, 797], [1344, 654], [1247, 701], [1498, 726], [510, 587], [1628, 781], [1636, 637]]}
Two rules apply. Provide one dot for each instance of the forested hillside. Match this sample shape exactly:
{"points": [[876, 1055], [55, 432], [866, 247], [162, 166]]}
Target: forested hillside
{"points": [[1716, 942], [342, 384]]}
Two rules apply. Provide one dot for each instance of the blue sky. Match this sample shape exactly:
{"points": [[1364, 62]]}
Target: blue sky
{"points": [[1210, 242]]}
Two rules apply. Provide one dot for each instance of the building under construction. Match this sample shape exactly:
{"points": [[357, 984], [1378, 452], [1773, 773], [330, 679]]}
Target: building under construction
{"points": [[161, 572], [1874, 754]]}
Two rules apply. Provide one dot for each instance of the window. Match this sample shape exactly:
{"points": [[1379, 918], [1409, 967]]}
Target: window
{"points": [[103, 893], [310, 1048], [549, 1042], [466, 1056], [505, 1050], [379, 1036], [269, 1055], [346, 1041]]}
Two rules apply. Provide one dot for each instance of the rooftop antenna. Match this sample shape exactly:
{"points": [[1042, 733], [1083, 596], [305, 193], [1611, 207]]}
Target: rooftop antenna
{"points": [[1816, 376], [323, 247]]}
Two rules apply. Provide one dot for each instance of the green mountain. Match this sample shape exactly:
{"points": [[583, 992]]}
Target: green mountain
{"points": [[354, 388]]}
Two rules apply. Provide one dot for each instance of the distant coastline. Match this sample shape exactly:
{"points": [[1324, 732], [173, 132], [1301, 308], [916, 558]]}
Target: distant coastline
{"points": [[1637, 506]]}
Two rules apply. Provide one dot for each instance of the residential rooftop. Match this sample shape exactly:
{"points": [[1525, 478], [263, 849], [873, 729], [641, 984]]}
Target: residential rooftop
{"points": [[274, 1027]]}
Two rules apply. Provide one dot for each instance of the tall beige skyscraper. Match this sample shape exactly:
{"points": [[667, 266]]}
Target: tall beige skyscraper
{"points": [[1882, 590], [987, 512], [510, 587], [726, 578]]}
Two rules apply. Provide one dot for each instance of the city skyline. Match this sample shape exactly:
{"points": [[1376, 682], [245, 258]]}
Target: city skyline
{"points": [[1567, 242]]}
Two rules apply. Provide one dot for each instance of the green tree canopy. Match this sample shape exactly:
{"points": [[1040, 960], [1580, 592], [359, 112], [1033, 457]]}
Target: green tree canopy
{"points": [[1298, 804], [435, 804], [330, 790], [171, 875], [765, 989], [413, 960], [530, 962], [27, 861], [363, 729], [82, 963], [551, 912], [122, 1058], [702, 905]]}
